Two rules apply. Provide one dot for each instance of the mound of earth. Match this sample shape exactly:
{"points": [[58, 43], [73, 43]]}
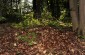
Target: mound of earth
{"points": [[50, 41]]}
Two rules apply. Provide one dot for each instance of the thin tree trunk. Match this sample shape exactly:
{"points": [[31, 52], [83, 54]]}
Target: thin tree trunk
{"points": [[74, 13], [37, 8]]}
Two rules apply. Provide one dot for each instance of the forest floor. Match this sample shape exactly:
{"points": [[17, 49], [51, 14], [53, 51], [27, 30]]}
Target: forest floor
{"points": [[50, 41]]}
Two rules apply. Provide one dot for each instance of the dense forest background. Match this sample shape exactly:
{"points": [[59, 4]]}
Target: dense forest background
{"points": [[21, 10], [54, 8]]}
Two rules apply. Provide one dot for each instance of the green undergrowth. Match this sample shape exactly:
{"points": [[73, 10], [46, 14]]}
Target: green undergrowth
{"points": [[81, 37], [46, 20], [29, 37], [2, 18], [35, 23]]}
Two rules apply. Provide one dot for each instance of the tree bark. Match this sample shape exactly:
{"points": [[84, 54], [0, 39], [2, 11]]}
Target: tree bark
{"points": [[82, 17], [37, 8], [74, 13]]}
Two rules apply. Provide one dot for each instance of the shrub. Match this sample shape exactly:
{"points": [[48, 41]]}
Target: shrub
{"points": [[2, 19], [30, 38]]}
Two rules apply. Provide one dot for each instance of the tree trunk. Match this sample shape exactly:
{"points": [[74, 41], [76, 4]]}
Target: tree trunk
{"points": [[74, 13], [82, 17], [37, 8]]}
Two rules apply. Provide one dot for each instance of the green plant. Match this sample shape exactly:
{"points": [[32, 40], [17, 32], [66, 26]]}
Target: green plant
{"points": [[82, 37], [65, 17], [30, 38], [53, 23], [46, 14], [46, 20], [29, 21], [2, 18]]}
